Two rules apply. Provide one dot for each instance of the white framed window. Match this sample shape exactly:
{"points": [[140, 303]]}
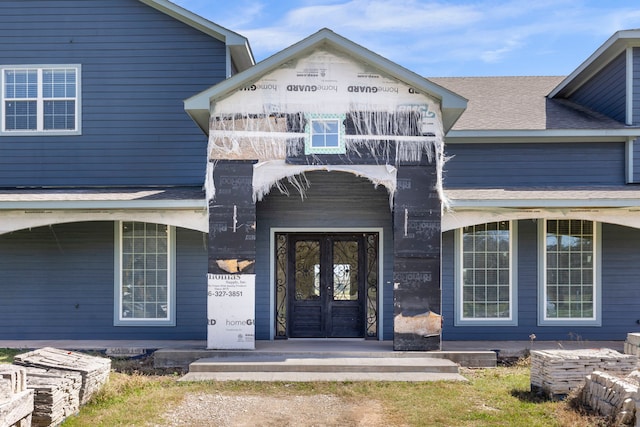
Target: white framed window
{"points": [[486, 274], [145, 274], [569, 290], [40, 99], [325, 134]]}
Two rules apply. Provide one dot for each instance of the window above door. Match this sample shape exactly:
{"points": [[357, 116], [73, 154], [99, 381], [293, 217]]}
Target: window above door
{"points": [[325, 134]]}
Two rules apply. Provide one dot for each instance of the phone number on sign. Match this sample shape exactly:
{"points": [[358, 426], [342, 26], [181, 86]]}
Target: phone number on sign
{"points": [[225, 293]]}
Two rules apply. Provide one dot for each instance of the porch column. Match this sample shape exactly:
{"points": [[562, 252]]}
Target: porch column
{"points": [[232, 255], [416, 270]]}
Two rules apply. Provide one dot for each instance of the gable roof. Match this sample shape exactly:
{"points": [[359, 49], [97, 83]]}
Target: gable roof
{"points": [[609, 50], [452, 105], [240, 51]]}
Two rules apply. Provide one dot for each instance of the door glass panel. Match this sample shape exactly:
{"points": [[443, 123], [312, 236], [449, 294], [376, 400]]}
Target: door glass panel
{"points": [[345, 270], [307, 270]]}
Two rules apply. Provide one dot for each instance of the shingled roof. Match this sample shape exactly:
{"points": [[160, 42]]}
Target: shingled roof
{"points": [[520, 103]]}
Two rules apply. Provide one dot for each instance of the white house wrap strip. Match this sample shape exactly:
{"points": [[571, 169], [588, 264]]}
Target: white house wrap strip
{"points": [[254, 123], [268, 174]]}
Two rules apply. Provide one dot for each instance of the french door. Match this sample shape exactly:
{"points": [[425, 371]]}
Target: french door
{"points": [[326, 284]]}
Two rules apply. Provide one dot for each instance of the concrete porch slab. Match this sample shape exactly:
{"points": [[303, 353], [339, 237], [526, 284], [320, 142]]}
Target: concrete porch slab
{"points": [[317, 376]]}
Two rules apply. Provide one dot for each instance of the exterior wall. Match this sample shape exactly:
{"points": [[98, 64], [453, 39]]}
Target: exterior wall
{"points": [[57, 283], [606, 91], [620, 293], [531, 165], [138, 65], [636, 86], [335, 202]]}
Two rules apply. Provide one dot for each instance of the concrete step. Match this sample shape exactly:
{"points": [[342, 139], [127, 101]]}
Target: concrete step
{"points": [[323, 364], [325, 368], [321, 376], [167, 358]]}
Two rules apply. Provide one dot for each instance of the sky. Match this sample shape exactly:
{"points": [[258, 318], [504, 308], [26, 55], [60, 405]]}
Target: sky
{"points": [[437, 38]]}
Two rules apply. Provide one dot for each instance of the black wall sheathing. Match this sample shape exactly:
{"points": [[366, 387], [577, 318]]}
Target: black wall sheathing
{"points": [[232, 219], [417, 238]]}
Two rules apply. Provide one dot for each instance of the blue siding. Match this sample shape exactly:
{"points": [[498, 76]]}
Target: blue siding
{"points": [[531, 165], [334, 200], [138, 65], [57, 283], [620, 291], [636, 86], [606, 91]]}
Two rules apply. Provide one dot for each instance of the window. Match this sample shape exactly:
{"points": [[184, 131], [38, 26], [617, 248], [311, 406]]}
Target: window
{"points": [[42, 99], [569, 272], [325, 134], [145, 290], [485, 290]]}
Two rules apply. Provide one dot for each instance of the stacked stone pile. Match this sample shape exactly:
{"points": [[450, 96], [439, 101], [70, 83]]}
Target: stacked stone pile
{"points": [[632, 344], [57, 395], [94, 371], [613, 397], [16, 401], [558, 372]]}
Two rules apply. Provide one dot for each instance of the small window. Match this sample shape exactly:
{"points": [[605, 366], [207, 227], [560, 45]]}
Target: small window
{"points": [[145, 289], [42, 99], [570, 284], [485, 274], [325, 134]]}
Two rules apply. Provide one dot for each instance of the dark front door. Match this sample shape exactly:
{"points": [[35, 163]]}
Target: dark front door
{"points": [[326, 285]]}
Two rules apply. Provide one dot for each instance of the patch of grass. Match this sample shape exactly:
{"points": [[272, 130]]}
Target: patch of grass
{"points": [[490, 397], [7, 354]]}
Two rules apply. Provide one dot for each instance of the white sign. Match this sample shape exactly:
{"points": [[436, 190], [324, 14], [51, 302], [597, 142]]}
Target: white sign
{"points": [[230, 311]]}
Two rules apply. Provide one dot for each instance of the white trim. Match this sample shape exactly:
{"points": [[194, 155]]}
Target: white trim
{"points": [[170, 321], [526, 135], [272, 249], [40, 131], [14, 220], [598, 60], [512, 320], [458, 204], [457, 219], [596, 320], [629, 160], [105, 204], [629, 87]]}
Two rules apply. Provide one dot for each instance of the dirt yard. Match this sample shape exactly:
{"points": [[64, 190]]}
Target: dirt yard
{"points": [[303, 411]]}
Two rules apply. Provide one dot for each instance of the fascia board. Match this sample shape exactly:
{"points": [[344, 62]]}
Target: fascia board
{"points": [[543, 203], [473, 136], [609, 50], [189, 204], [453, 104]]}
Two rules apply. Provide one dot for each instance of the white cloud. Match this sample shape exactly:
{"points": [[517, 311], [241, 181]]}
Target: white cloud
{"points": [[435, 37]]}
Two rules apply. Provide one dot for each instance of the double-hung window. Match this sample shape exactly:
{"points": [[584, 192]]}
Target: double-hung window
{"points": [[485, 274], [569, 273], [325, 134], [145, 274], [40, 99]]}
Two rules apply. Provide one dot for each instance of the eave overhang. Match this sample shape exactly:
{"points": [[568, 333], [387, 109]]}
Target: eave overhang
{"points": [[613, 47], [544, 198], [542, 135], [103, 199], [238, 45], [198, 106]]}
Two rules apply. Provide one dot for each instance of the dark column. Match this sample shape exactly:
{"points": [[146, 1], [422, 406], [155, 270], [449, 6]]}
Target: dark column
{"points": [[232, 219], [416, 271]]}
